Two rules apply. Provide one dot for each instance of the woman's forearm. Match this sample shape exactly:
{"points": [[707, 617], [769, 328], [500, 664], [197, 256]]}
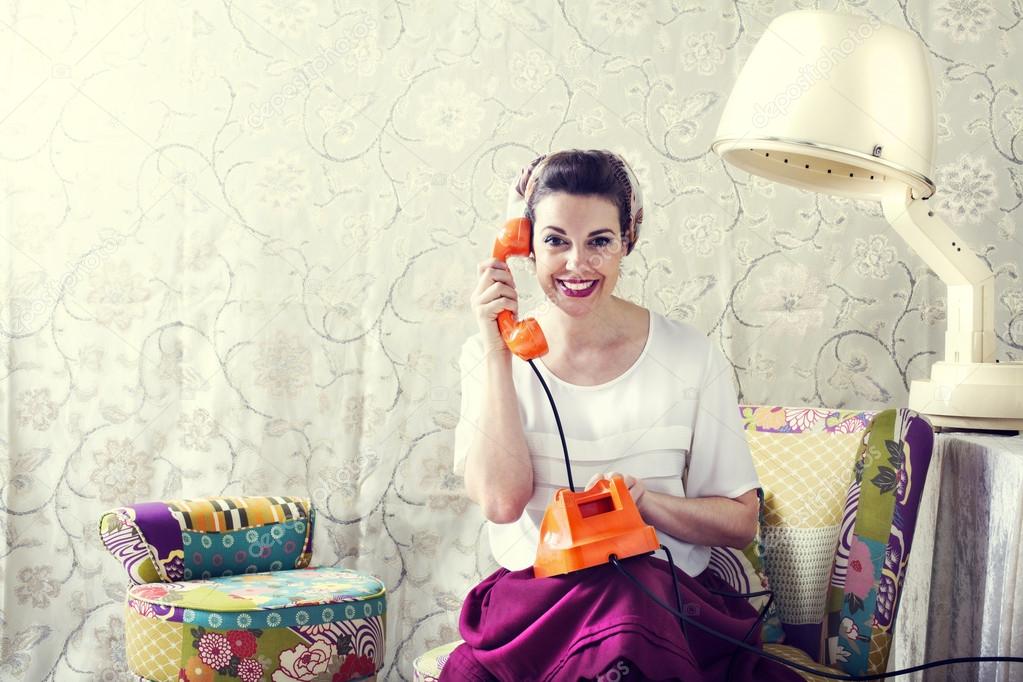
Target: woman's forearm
{"points": [[498, 468], [710, 521]]}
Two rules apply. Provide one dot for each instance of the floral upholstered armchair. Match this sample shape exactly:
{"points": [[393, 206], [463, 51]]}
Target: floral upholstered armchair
{"points": [[840, 490]]}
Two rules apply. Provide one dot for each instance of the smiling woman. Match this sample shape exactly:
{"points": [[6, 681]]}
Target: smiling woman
{"points": [[638, 394]]}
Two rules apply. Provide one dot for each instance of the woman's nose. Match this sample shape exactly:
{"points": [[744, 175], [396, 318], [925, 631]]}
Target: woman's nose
{"points": [[579, 260], [575, 258]]}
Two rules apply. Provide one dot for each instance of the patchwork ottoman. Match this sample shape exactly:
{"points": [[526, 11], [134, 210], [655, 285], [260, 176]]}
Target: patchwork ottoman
{"points": [[221, 589]]}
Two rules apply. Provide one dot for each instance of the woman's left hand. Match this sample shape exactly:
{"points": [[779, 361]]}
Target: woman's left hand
{"points": [[635, 485]]}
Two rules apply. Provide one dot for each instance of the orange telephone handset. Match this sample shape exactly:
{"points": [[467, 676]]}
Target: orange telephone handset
{"points": [[524, 338]]}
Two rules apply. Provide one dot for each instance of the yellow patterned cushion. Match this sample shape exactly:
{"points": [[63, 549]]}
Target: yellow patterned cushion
{"points": [[805, 476]]}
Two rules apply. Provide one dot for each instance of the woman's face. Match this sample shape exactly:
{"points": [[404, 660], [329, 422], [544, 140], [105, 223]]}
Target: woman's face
{"points": [[576, 241]]}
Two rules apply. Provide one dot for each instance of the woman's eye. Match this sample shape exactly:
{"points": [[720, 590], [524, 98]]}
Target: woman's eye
{"points": [[599, 242]]}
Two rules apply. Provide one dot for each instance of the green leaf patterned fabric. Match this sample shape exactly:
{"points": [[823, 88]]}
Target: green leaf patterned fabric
{"points": [[870, 564]]}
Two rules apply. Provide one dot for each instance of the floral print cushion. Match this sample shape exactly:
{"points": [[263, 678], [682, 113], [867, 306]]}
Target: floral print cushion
{"points": [[341, 594], [318, 624]]}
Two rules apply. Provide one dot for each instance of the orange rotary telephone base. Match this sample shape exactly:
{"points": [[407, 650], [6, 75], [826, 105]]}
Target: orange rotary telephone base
{"points": [[583, 529]]}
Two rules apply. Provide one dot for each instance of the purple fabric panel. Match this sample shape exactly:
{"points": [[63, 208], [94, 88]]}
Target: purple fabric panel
{"points": [[160, 529], [806, 637], [587, 623], [168, 613], [920, 439], [163, 612]]}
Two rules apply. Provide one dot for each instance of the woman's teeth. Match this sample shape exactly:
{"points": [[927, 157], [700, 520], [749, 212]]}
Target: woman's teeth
{"points": [[576, 288]]}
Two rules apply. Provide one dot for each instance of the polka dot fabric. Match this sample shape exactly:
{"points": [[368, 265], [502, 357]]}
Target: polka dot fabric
{"points": [[268, 548]]}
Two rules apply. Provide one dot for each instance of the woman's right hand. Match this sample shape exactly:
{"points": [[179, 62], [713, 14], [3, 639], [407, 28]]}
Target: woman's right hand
{"points": [[494, 292]]}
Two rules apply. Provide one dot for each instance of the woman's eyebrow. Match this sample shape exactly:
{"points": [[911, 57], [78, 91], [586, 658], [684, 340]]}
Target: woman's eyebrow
{"points": [[558, 229]]}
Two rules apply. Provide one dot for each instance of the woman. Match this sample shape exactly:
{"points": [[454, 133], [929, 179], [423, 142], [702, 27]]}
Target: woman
{"points": [[638, 394]]}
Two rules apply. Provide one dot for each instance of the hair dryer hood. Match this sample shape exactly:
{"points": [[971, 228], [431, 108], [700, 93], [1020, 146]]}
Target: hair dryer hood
{"points": [[834, 103]]}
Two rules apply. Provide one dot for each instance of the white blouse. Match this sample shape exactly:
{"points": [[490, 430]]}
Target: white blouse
{"points": [[676, 404]]}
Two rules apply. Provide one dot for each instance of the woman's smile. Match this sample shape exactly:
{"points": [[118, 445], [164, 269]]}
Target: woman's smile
{"points": [[577, 288]]}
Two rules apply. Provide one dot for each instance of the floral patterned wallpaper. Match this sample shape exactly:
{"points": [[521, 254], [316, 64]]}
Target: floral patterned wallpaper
{"points": [[238, 241]]}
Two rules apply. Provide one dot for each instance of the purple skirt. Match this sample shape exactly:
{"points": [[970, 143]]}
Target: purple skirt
{"points": [[596, 624]]}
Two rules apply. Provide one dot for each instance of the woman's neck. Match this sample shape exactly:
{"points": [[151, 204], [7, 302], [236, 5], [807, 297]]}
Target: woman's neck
{"points": [[599, 329]]}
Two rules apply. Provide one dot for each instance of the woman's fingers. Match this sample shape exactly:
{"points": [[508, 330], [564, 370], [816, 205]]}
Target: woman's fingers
{"points": [[490, 263], [630, 481], [499, 304], [488, 290], [495, 269], [490, 279], [494, 293], [498, 289], [496, 297], [608, 475]]}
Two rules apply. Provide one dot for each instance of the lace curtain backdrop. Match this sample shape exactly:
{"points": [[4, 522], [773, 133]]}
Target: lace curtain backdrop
{"points": [[238, 242]]}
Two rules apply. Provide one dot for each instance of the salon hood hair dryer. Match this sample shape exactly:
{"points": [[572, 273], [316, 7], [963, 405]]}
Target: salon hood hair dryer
{"points": [[842, 104]]}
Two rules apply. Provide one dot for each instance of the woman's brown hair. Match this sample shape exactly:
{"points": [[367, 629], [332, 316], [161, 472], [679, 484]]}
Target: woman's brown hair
{"points": [[591, 172]]}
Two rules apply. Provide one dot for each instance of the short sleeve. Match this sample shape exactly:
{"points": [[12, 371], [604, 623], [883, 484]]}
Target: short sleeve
{"points": [[471, 369], [721, 463]]}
